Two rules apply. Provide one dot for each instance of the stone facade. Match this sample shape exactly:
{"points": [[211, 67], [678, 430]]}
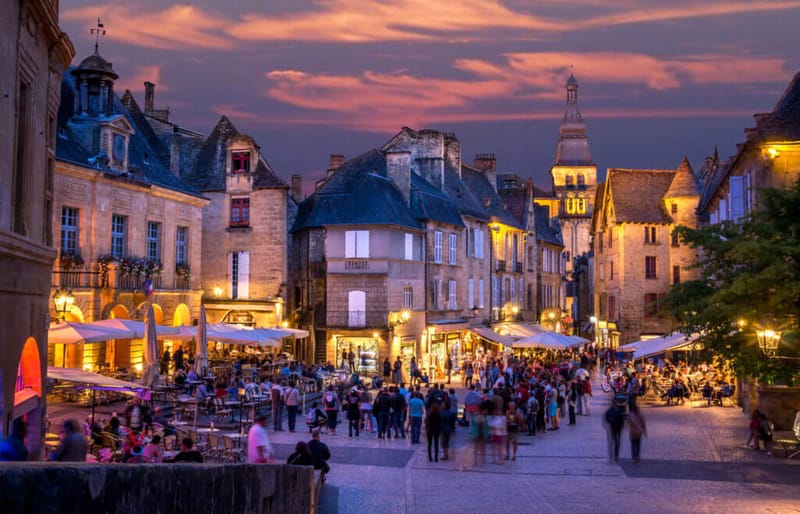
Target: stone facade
{"points": [[34, 53]]}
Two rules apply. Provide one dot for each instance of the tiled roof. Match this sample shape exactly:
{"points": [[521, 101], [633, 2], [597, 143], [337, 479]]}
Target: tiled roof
{"points": [[684, 183], [636, 194], [209, 169], [358, 193], [486, 195], [144, 128], [544, 230], [430, 203], [142, 151]]}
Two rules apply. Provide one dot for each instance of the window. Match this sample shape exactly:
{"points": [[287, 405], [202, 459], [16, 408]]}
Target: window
{"points": [[736, 197], [520, 289], [580, 205], [21, 176], [153, 241], [674, 208], [611, 270], [600, 244], [650, 235], [676, 274], [240, 162], [581, 179], [437, 247], [568, 180], [570, 205], [469, 242], [471, 293], [651, 305], [612, 307], [119, 230], [409, 247], [480, 236], [610, 237], [481, 301], [675, 242], [436, 294], [649, 267], [408, 298], [239, 273], [240, 212], [452, 249], [181, 239], [356, 244], [452, 304], [495, 291], [357, 309], [69, 230]]}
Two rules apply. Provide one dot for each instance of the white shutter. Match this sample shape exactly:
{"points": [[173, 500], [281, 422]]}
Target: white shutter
{"points": [[723, 209], [362, 244], [409, 247], [350, 244], [452, 248], [748, 193], [437, 247], [715, 217], [244, 275], [230, 275], [520, 294], [451, 295], [471, 293], [736, 184], [481, 293]]}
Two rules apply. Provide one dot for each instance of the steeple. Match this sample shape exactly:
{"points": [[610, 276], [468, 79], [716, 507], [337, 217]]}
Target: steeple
{"points": [[95, 78], [573, 145]]}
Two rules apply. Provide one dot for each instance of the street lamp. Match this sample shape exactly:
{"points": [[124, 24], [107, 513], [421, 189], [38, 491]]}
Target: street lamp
{"points": [[593, 321], [768, 341], [63, 301]]}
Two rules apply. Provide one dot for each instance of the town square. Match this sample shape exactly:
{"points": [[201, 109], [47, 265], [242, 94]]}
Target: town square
{"points": [[399, 256]]}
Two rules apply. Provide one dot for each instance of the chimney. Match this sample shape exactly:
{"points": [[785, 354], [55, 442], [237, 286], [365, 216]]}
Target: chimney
{"points": [[452, 152], [149, 97], [486, 163], [398, 170], [336, 160], [297, 188]]}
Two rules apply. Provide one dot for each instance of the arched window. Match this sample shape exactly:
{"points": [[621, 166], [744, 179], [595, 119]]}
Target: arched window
{"points": [[568, 180], [580, 207], [570, 205]]}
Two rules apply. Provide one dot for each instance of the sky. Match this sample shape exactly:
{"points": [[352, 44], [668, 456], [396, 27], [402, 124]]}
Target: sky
{"points": [[307, 78]]}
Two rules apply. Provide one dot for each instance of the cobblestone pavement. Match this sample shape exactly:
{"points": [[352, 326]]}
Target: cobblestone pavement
{"points": [[693, 461]]}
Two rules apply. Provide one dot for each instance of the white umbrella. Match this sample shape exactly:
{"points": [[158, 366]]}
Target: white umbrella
{"points": [[232, 334], [137, 327], [150, 376], [75, 333], [201, 340]]}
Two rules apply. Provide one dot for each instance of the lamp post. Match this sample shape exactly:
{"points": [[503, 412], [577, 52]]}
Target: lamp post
{"points": [[63, 301], [768, 341], [593, 321]]}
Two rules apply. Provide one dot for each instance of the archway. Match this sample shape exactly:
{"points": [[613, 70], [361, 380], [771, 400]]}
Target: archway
{"points": [[182, 316], [28, 393], [158, 312], [118, 352], [67, 355]]}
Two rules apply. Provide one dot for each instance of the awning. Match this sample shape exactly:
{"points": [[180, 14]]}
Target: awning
{"points": [[76, 333], [663, 344], [94, 380], [233, 334], [25, 400], [491, 335], [289, 332], [137, 327], [448, 325], [533, 335]]}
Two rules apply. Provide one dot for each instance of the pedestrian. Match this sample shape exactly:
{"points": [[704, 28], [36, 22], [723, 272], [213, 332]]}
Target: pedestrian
{"points": [[469, 372], [187, 454], [579, 391], [755, 423], [350, 407], [479, 430], [259, 450], [416, 407], [365, 407], [330, 402], [291, 398], [615, 421], [633, 389], [301, 455], [433, 428], [533, 412], [765, 432], [448, 420], [397, 372], [73, 446], [587, 394], [497, 431], [398, 414], [382, 407], [387, 369], [163, 365], [276, 393], [413, 371], [451, 396], [177, 357], [637, 428], [514, 423], [320, 454], [572, 400], [13, 448], [448, 366]]}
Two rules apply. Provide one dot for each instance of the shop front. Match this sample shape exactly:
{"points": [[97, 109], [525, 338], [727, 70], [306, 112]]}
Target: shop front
{"points": [[365, 354]]}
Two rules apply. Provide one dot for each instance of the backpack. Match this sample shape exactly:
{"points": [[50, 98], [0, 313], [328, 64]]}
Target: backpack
{"points": [[311, 417], [533, 405], [767, 428], [330, 400], [615, 418]]}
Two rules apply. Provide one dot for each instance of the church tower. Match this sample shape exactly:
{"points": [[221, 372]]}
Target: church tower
{"points": [[574, 177]]}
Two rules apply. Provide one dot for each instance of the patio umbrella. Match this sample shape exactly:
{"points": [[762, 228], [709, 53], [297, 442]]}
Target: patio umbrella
{"points": [[137, 327], [201, 340], [76, 333], [150, 376], [92, 381]]}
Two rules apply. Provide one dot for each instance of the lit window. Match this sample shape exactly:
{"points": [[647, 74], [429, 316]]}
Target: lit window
{"points": [[69, 231], [154, 241], [181, 239], [356, 244], [650, 235]]}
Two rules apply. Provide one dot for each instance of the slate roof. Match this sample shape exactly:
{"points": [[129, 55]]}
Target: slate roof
{"points": [[544, 230], [487, 197], [684, 183], [358, 193], [145, 129], [209, 168], [142, 151], [465, 201], [515, 202], [430, 203], [637, 194]]}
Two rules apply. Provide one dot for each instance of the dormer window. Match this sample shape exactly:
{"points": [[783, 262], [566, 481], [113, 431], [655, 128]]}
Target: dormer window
{"points": [[119, 150], [240, 162]]}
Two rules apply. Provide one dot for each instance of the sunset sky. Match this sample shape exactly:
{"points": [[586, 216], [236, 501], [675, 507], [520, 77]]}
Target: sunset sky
{"points": [[306, 78]]}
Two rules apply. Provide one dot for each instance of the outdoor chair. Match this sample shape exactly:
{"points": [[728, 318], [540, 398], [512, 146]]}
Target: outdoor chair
{"points": [[215, 449], [231, 453], [220, 411]]}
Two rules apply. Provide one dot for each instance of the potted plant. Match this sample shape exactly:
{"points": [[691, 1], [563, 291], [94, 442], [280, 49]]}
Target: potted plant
{"points": [[70, 260], [183, 271]]}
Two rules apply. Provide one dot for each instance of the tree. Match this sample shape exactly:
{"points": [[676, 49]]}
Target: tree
{"points": [[749, 279]]}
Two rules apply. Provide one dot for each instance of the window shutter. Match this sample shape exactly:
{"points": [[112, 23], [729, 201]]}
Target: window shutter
{"points": [[350, 244], [230, 275], [362, 244], [244, 275], [471, 293], [409, 254], [481, 292], [737, 197]]}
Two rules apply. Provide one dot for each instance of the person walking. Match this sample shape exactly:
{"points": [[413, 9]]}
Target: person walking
{"points": [[533, 413], [637, 428], [382, 409], [514, 423], [433, 428], [365, 407], [398, 414], [448, 366], [469, 372], [572, 400], [448, 421], [397, 372], [352, 411], [387, 370], [276, 393], [765, 431], [291, 398], [755, 423], [259, 450], [416, 407], [330, 402], [615, 421]]}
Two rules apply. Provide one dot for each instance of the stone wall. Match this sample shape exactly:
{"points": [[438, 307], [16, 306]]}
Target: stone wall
{"points": [[779, 404], [41, 487]]}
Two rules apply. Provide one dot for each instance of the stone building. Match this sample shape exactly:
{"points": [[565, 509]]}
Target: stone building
{"points": [[122, 221], [401, 246], [637, 257], [247, 218], [35, 53], [550, 272]]}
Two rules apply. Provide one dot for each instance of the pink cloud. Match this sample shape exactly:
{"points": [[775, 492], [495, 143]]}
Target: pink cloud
{"points": [[135, 82]]}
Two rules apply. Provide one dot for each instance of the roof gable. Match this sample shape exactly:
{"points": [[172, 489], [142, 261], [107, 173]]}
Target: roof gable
{"points": [[636, 194]]}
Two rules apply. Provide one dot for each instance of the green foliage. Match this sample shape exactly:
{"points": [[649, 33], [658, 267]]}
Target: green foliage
{"points": [[749, 272]]}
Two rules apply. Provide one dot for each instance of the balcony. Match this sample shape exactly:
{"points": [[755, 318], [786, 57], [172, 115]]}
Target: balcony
{"points": [[358, 266], [517, 267], [135, 282], [77, 279], [357, 319], [182, 283]]}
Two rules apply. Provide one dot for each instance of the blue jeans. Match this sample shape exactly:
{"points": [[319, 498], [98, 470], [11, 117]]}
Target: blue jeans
{"points": [[397, 419], [416, 429], [277, 413], [291, 410], [383, 423]]}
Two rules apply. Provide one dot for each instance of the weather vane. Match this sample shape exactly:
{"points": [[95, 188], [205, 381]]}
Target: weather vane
{"points": [[97, 31]]}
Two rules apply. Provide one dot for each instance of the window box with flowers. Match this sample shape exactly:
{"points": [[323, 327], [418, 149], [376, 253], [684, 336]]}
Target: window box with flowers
{"points": [[70, 261]]}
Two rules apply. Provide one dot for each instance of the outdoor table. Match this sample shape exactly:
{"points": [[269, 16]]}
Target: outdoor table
{"points": [[237, 437]]}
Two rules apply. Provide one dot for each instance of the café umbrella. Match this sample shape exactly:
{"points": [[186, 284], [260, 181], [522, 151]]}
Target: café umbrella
{"points": [[92, 381], [201, 342], [150, 375]]}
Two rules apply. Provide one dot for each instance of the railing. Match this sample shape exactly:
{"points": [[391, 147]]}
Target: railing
{"points": [[134, 282], [74, 279], [500, 265], [518, 267], [356, 264], [357, 319], [182, 283]]}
